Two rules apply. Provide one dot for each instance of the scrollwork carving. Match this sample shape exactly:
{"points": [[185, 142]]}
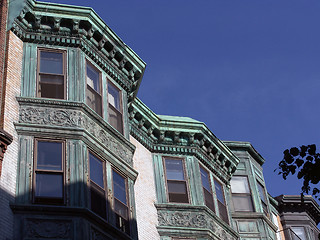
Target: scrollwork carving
{"points": [[192, 220], [43, 228], [77, 119]]}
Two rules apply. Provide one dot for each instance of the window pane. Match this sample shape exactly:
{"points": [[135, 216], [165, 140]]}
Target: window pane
{"points": [[261, 193], [115, 119], [219, 191], [52, 86], [114, 97], [239, 185], [49, 155], [49, 185], [223, 212], [208, 199], [242, 203], [205, 179], [51, 62], [93, 78], [300, 232], [121, 209], [98, 201], [177, 192], [174, 169], [94, 101], [96, 170], [119, 187]]}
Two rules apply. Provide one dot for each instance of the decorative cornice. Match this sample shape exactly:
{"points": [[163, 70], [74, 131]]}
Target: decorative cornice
{"points": [[74, 26], [245, 146], [183, 136], [76, 117], [297, 203], [172, 217]]}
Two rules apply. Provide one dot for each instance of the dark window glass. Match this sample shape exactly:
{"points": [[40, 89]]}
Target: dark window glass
{"points": [[221, 202], [263, 198], [49, 185], [114, 111], [121, 207], [241, 195], [93, 98], [49, 155], [176, 183], [96, 170], [97, 186], [51, 79], [49, 173], [206, 186], [119, 187]]}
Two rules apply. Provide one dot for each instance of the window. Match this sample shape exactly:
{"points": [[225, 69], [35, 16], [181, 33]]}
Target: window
{"points": [[263, 198], [206, 187], [97, 185], [121, 205], [176, 181], [49, 172], [221, 201], [241, 196], [51, 74], [114, 110], [298, 233], [94, 99]]}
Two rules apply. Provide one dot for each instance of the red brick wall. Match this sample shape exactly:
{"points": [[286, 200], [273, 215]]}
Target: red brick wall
{"points": [[3, 36], [3, 29]]}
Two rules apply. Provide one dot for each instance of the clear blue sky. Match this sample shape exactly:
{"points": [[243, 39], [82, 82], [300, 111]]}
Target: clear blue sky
{"points": [[249, 69]]}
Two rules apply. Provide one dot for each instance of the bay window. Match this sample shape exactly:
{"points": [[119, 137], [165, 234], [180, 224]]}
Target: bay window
{"points": [[241, 194], [176, 181], [48, 181], [51, 72], [223, 213], [97, 185], [93, 93], [206, 187], [263, 198], [121, 204], [114, 107]]}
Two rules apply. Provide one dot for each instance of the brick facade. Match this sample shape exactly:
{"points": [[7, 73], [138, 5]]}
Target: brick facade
{"points": [[11, 109], [145, 193]]}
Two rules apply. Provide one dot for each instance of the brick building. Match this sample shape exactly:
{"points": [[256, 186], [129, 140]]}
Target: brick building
{"points": [[84, 158]]}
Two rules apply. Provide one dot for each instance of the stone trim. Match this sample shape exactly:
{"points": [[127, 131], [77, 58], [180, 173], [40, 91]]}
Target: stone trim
{"points": [[182, 137], [71, 118], [192, 218]]}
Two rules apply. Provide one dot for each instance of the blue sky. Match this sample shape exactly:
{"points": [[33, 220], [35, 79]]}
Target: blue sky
{"points": [[249, 69]]}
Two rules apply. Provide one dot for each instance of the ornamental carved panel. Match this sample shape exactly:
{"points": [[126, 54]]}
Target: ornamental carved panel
{"points": [[192, 220], [97, 235], [44, 228], [75, 119]]}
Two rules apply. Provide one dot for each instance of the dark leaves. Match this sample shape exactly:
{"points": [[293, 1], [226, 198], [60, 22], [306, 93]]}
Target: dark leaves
{"points": [[304, 161]]}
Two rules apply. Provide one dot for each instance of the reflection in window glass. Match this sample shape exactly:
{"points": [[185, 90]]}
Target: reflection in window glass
{"points": [[49, 174], [93, 77], [114, 96], [49, 185], [206, 187], [96, 170], [51, 62], [299, 233], [49, 155], [176, 183], [239, 185], [174, 169]]}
